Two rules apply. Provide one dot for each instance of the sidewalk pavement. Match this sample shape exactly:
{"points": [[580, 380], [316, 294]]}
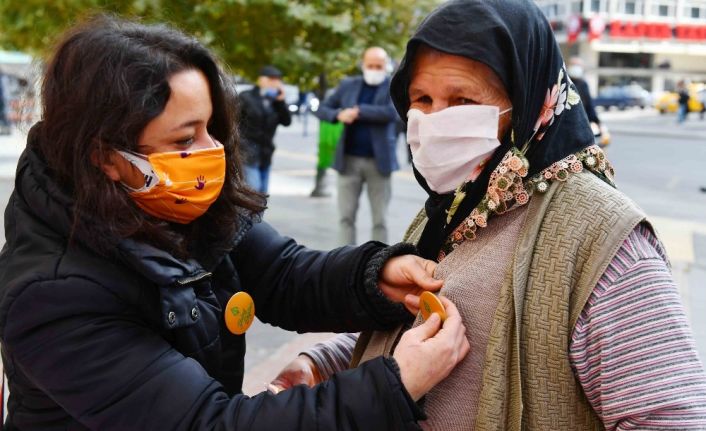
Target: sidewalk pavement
{"points": [[648, 122], [11, 146]]}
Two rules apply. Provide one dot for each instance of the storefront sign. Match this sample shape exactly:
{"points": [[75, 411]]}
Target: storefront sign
{"points": [[573, 28], [596, 27], [620, 29], [691, 32]]}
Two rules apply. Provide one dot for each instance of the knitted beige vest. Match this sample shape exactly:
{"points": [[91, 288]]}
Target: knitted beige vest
{"points": [[567, 241]]}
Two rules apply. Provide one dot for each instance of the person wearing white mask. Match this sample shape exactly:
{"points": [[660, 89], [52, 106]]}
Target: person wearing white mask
{"points": [[366, 151], [577, 75], [573, 318]]}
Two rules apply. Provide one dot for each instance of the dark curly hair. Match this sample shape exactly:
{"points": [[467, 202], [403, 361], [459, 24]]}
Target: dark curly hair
{"points": [[107, 79]]}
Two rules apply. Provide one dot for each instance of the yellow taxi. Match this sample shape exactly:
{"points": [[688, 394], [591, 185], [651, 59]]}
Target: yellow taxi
{"points": [[601, 135], [669, 100]]}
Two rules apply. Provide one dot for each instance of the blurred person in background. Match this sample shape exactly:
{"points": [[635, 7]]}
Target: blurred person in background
{"points": [[577, 72], [366, 153], [263, 108], [683, 101], [4, 122]]}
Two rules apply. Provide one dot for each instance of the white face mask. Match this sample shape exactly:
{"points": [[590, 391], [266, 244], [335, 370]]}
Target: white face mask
{"points": [[575, 71], [449, 146], [373, 77]]}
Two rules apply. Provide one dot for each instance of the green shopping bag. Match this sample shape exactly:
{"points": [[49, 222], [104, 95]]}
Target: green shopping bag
{"points": [[329, 134]]}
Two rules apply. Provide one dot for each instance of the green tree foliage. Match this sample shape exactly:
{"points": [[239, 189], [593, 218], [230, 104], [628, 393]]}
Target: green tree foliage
{"points": [[313, 42]]}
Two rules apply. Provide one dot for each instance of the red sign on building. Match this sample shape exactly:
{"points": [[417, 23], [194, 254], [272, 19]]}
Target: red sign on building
{"points": [[596, 26], [660, 31], [573, 28]]}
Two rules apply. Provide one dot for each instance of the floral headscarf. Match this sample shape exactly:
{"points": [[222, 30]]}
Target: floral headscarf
{"points": [[549, 126]]}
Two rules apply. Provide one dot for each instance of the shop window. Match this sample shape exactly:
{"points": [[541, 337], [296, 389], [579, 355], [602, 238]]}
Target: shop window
{"points": [[632, 7], [694, 9], [599, 6], [626, 60], [552, 10], [664, 8]]}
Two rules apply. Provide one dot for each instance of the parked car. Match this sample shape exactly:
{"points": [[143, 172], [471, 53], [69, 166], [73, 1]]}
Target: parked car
{"points": [[669, 101], [622, 97]]}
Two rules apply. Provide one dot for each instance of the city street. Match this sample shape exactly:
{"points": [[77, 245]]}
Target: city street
{"points": [[659, 164]]}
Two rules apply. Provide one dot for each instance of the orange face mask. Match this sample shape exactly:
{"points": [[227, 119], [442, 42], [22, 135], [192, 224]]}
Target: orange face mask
{"points": [[181, 185]]}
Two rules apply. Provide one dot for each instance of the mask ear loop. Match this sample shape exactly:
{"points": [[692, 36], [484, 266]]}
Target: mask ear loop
{"points": [[143, 165]]}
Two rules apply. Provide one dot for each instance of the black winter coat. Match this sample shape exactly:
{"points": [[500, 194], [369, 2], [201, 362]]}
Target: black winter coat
{"points": [[138, 342], [586, 100], [258, 125]]}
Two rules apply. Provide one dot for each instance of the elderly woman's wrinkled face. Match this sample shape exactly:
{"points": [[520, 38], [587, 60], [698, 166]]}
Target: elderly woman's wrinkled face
{"points": [[441, 80]]}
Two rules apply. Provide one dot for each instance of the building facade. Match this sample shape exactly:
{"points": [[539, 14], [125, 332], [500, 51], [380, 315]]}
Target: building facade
{"points": [[654, 43]]}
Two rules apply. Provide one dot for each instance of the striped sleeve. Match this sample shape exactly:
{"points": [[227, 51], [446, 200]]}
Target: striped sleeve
{"points": [[333, 355], [632, 349]]}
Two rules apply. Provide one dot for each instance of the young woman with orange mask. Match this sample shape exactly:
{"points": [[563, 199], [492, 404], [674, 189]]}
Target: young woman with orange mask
{"points": [[136, 258]]}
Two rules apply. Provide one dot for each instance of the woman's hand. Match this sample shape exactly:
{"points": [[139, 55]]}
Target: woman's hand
{"points": [[301, 371], [404, 278], [425, 356]]}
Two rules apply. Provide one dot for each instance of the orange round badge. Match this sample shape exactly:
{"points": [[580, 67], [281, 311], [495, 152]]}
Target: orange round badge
{"points": [[240, 312], [430, 303]]}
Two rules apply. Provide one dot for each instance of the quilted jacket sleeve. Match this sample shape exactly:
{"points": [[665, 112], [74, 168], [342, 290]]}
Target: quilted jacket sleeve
{"points": [[111, 372], [306, 290]]}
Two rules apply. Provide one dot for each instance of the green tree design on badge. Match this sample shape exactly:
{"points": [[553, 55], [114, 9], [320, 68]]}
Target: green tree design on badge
{"points": [[426, 307], [245, 317]]}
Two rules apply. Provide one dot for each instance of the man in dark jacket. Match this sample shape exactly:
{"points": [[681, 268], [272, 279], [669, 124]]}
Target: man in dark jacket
{"points": [[683, 100], [366, 150], [263, 109], [576, 73], [4, 123]]}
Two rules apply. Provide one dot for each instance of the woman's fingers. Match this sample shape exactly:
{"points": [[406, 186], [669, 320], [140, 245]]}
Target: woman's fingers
{"points": [[421, 273], [301, 371], [411, 302]]}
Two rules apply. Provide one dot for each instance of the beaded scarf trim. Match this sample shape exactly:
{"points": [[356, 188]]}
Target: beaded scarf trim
{"points": [[509, 190]]}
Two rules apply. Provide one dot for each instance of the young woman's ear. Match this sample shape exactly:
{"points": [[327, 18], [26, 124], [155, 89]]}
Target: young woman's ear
{"points": [[118, 169], [108, 163]]}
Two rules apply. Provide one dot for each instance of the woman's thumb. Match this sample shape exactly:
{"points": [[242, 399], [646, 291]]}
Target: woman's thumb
{"points": [[427, 329]]}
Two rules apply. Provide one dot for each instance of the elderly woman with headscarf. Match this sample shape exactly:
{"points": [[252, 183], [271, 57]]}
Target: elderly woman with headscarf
{"points": [[572, 313]]}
